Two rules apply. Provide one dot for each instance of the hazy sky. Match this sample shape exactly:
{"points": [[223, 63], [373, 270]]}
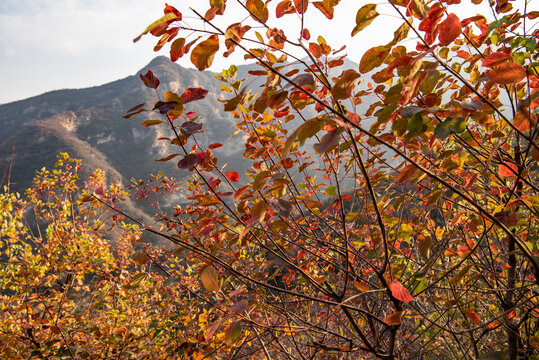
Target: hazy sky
{"points": [[55, 44]]}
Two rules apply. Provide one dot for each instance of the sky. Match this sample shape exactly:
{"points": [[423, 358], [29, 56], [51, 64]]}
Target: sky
{"points": [[56, 44]]}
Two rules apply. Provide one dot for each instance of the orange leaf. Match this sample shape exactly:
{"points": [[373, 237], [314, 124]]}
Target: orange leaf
{"points": [[449, 29], [524, 120], [345, 85], [301, 5], [259, 10], [210, 279], [315, 49], [507, 73], [395, 318], [240, 192], [361, 286], [406, 173], [202, 55], [284, 7], [495, 59], [233, 176], [508, 169], [325, 7], [141, 258], [400, 292]]}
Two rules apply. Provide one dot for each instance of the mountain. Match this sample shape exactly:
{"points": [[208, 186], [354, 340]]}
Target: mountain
{"points": [[88, 124]]}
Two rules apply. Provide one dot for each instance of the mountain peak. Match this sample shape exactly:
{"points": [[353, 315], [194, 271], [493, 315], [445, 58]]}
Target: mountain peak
{"points": [[160, 60]]}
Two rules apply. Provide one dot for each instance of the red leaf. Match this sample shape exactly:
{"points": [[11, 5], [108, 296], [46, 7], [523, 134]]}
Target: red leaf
{"points": [[287, 163], [188, 161], [233, 176], [327, 141], [215, 146], [201, 157], [150, 80], [508, 169], [507, 73], [284, 7], [193, 94], [495, 59], [399, 292], [449, 29], [395, 318], [178, 48], [190, 127], [430, 24], [473, 316], [508, 218], [172, 9], [99, 191], [306, 34]]}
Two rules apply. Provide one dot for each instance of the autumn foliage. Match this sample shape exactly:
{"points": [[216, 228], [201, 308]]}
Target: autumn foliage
{"points": [[391, 211]]}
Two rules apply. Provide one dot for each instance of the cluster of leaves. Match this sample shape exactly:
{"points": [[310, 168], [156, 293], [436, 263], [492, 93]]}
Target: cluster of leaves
{"points": [[77, 282], [411, 229], [408, 231]]}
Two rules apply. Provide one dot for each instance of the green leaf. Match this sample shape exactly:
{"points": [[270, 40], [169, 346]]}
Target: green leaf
{"points": [[415, 124], [373, 58], [137, 279], [331, 191], [364, 17], [450, 126], [310, 128], [233, 333]]}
